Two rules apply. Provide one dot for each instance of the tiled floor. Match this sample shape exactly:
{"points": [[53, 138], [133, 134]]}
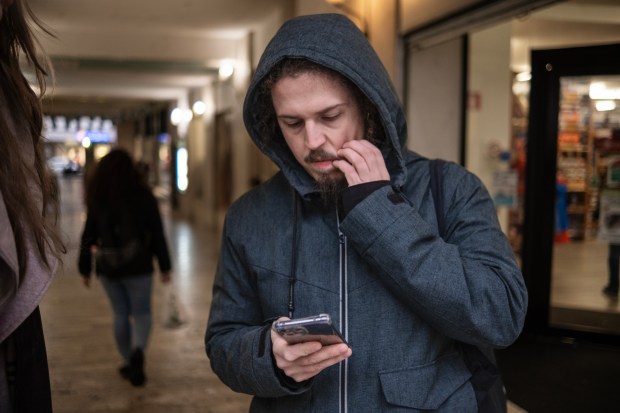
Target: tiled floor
{"points": [[579, 274], [78, 328]]}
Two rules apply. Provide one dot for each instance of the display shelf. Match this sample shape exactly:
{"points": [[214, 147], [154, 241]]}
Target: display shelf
{"points": [[575, 163]]}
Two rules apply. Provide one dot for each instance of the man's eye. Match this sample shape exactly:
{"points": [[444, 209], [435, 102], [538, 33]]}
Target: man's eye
{"points": [[331, 117]]}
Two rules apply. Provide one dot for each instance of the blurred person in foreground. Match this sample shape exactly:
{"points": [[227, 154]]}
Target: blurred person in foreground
{"points": [[124, 232], [348, 227], [30, 249]]}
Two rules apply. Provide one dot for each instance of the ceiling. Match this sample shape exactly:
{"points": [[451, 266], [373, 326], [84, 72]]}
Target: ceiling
{"points": [[115, 56]]}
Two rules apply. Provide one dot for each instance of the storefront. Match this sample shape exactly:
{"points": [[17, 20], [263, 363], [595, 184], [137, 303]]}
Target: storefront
{"points": [[523, 129]]}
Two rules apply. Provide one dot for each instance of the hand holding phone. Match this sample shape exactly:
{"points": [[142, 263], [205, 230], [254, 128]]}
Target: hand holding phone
{"points": [[314, 328]]}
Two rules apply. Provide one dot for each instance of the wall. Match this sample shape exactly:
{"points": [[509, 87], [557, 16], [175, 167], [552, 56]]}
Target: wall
{"points": [[418, 13], [434, 100], [489, 112]]}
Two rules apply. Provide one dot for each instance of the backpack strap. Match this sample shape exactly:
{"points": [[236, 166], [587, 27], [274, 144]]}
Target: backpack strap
{"points": [[486, 378], [436, 182]]}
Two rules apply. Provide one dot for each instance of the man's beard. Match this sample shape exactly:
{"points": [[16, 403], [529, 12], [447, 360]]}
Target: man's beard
{"points": [[330, 186]]}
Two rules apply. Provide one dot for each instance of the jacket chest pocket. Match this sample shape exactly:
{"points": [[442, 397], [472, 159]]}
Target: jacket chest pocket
{"points": [[442, 385]]}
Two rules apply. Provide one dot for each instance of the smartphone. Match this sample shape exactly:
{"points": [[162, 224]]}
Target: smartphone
{"points": [[314, 328]]}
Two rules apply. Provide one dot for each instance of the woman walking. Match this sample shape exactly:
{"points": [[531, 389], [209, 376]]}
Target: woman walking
{"points": [[123, 232]]}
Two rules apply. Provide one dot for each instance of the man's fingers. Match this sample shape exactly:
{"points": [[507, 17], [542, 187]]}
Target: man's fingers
{"points": [[361, 162], [305, 368]]}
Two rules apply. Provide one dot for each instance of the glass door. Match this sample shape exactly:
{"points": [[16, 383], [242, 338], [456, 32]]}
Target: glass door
{"points": [[569, 208], [584, 282]]}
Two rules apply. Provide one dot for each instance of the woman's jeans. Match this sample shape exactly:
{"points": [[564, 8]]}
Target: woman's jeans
{"points": [[130, 298]]}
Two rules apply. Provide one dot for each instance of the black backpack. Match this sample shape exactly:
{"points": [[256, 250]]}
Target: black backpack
{"points": [[485, 376], [122, 240]]}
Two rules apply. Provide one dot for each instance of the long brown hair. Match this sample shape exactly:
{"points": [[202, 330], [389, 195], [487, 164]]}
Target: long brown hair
{"points": [[115, 183], [33, 212]]}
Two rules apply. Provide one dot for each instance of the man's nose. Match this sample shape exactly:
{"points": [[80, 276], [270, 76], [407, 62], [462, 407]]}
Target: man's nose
{"points": [[315, 136]]}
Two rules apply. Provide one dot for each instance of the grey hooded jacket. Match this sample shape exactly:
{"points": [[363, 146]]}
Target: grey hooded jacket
{"points": [[403, 296]]}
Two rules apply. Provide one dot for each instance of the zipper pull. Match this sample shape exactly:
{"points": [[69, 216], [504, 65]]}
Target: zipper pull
{"points": [[341, 237]]}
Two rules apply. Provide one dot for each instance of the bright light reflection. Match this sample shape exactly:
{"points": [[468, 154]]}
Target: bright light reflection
{"points": [[226, 69], [182, 180], [605, 105], [599, 90], [524, 76], [199, 108], [176, 116]]}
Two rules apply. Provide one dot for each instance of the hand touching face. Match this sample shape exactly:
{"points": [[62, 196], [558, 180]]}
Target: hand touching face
{"points": [[322, 125], [361, 161]]}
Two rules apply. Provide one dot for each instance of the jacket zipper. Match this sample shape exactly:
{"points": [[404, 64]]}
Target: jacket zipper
{"points": [[344, 317]]}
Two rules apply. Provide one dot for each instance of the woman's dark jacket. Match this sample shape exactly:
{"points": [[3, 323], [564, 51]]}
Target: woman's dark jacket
{"points": [[142, 209]]}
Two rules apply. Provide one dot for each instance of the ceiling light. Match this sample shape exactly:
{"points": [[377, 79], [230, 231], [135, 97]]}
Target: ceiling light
{"points": [[605, 105], [86, 142], [199, 108], [227, 68], [188, 115], [176, 116], [600, 90], [523, 76]]}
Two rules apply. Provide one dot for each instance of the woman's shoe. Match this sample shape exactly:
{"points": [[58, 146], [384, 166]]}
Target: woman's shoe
{"points": [[125, 371], [610, 293], [136, 361]]}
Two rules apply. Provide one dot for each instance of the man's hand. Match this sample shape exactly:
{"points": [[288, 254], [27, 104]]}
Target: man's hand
{"points": [[305, 360], [361, 162]]}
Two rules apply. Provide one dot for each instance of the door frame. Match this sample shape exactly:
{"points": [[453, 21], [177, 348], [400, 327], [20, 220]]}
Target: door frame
{"points": [[548, 66]]}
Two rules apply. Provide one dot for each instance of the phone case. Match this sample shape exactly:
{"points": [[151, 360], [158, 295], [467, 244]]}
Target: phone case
{"points": [[314, 328]]}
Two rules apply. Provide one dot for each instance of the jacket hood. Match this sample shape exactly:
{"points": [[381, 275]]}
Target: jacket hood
{"points": [[333, 41]]}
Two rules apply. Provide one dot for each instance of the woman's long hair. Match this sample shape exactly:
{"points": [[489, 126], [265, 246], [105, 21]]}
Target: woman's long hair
{"points": [[33, 213], [114, 183]]}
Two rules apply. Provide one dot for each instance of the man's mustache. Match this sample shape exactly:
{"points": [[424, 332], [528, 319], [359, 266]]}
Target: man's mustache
{"points": [[319, 156]]}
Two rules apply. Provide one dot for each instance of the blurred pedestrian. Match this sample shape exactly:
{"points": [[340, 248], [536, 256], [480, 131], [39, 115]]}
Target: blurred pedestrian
{"points": [[124, 232]]}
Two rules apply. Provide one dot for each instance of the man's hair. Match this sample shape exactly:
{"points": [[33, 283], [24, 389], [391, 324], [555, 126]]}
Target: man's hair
{"points": [[294, 67]]}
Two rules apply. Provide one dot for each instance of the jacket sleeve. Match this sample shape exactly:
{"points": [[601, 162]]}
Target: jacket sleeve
{"points": [[238, 340], [159, 245], [467, 286], [88, 239]]}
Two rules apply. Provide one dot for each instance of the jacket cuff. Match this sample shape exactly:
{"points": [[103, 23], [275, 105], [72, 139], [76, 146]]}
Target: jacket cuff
{"points": [[355, 194], [285, 381]]}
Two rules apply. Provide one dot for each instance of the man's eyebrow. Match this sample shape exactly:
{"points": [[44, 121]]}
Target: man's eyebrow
{"points": [[336, 106], [321, 112]]}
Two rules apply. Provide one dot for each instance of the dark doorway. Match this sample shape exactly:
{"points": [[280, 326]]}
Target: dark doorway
{"points": [[223, 161]]}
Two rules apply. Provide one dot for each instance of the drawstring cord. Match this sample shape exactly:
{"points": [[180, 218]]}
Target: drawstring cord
{"points": [[292, 278]]}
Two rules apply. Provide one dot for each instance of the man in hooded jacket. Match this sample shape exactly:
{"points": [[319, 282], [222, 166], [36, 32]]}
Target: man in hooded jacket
{"points": [[348, 227]]}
